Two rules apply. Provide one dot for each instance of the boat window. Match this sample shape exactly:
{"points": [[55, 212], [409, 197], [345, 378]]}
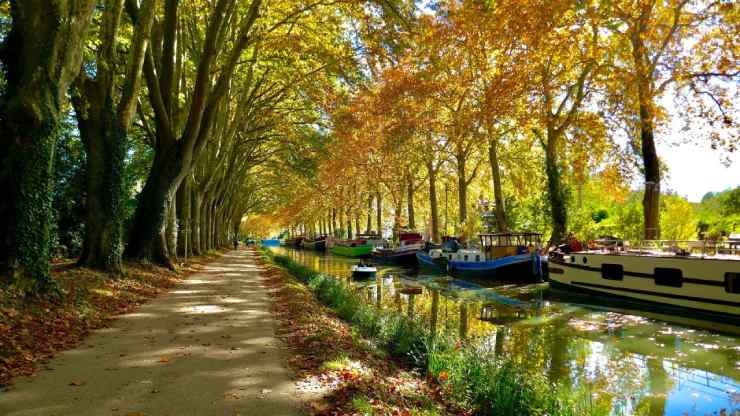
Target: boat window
{"points": [[477, 257], [732, 282], [585, 260], [668, 277], [612, 271], [572, 259], [466, 257]]}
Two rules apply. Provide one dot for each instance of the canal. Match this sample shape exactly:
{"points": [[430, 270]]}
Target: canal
{"points": [[627, 360]]}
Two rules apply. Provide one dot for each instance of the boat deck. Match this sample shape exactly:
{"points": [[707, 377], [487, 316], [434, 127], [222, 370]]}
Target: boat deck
{"points": [[662, 254]]}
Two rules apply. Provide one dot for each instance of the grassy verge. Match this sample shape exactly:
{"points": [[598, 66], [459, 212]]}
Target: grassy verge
{"points": [[33, 329], [469, 375], [339, 370]]}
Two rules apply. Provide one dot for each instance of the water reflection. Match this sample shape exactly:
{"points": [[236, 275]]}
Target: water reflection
{"points": [[627, 361]]}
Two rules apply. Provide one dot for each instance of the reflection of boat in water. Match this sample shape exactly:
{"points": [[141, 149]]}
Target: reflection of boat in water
{"points": [[689, 278], [499, 314], [404, 253], [502, 256]]}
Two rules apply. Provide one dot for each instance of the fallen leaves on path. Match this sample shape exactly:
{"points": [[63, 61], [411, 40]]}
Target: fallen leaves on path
{"points": [[32, 330]]}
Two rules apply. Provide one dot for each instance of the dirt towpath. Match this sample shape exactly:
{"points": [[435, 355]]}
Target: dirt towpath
{"points": [[207, 347]]}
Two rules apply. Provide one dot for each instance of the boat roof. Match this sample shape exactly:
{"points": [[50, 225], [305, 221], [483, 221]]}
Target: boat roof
{"points": [[512, 234]]}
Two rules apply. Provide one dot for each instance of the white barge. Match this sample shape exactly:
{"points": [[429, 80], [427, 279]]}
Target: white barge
{"points": [[697, 279]]}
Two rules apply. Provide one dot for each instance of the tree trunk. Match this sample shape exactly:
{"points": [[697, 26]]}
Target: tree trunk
{"points": [[651, 199], [148, 240], [334, 223], [105, 149], [342, 229], [357, 223], [172, 226], [433, 201], [183, 218], [369, 214], [212, 243], [40, 56], [195, 221], [379, 213], [462, 189], [497, 189], [398, 213], [204, 244], [104, 127], [349, 224], [651, 164], [555, 189], [410, 203]]}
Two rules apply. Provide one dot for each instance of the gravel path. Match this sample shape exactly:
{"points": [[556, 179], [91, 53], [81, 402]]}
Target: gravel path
{"points": [[207, 347]]}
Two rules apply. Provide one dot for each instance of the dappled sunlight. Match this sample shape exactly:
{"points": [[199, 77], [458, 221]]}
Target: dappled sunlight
{"points": [[139, 315], [191, 292], [234, 300], [204, 309], [179, 349]]}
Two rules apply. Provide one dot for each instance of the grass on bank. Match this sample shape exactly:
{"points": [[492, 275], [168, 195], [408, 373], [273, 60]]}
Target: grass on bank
{"points": [[475, 378]]}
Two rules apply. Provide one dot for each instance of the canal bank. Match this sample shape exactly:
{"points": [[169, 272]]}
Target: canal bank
{"points": [[630, 363]]}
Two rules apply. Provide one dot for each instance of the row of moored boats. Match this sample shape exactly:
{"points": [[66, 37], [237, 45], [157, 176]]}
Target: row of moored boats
{"points": [[699, 279], [505, 256]]}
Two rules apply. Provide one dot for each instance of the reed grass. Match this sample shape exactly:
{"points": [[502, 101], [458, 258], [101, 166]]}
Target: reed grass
{"points": [[478, 379]]}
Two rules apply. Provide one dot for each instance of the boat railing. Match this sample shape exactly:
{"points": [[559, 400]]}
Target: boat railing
{"points": [[701, 248]]}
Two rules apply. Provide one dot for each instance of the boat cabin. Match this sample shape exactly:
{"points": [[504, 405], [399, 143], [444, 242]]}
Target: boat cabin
{"points": [[409, 238], [499, 245]]}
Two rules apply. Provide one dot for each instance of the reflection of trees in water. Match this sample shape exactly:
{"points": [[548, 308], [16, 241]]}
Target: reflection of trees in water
{"points": [[463, 320], [411, 305], [659, 384], [378, 291], [559, 359], [434, 313]]}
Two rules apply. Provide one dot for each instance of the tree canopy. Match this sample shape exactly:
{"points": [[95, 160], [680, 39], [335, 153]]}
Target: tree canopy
{"points": [[157, 129]]}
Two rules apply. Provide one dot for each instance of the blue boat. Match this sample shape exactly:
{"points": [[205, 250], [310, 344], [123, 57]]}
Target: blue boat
{"points": [[270, 242], [437, 264], [435, 258], [502, 256]]}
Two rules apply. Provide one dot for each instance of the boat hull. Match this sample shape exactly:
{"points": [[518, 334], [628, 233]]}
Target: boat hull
{"points": [[315, 245], [270, 243], [405, 258], [683, 285], [522, 267], [437, 264], [352, 251]]}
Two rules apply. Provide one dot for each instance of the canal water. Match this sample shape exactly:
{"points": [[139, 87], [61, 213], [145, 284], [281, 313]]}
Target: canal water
{"points": [[627, 360]]}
